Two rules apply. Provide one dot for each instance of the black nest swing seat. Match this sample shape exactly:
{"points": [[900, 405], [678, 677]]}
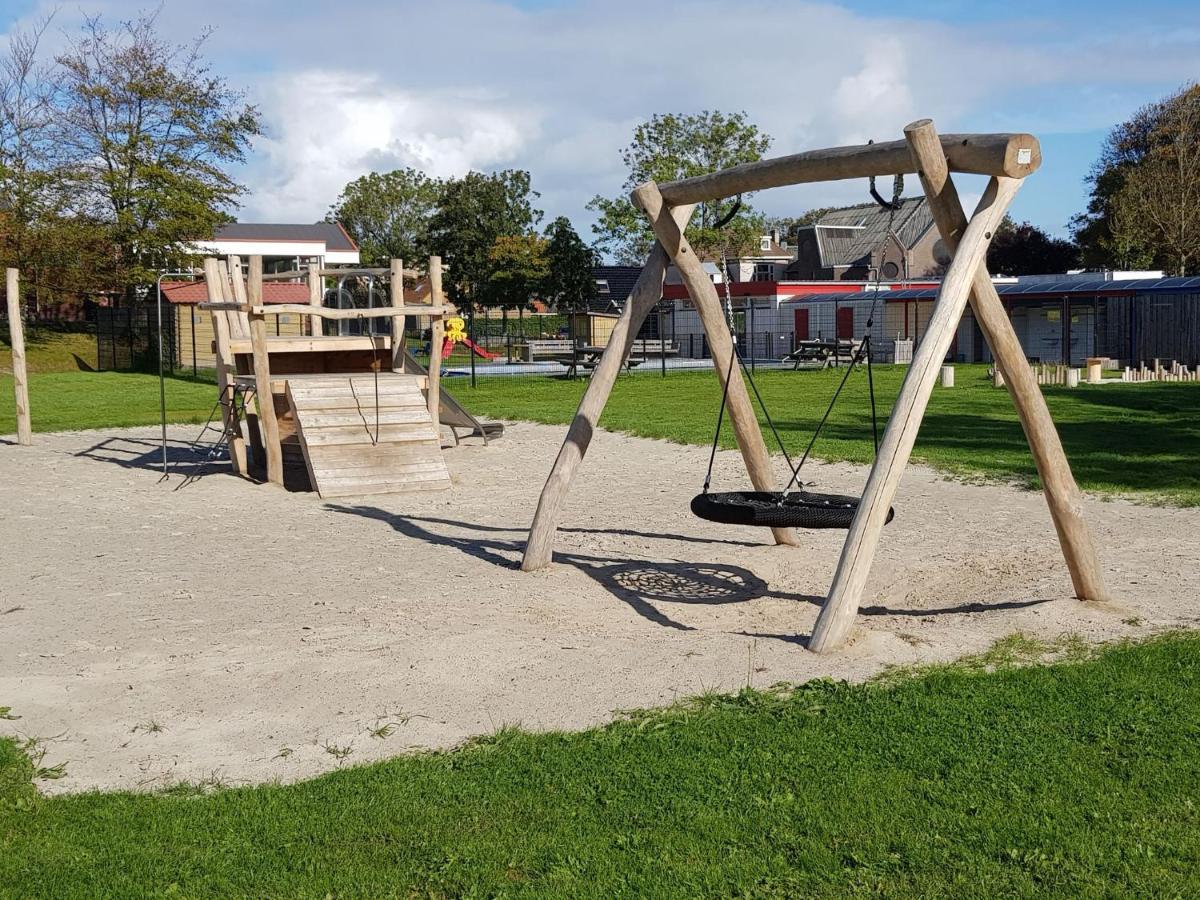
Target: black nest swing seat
{"points": [[799, 509]]}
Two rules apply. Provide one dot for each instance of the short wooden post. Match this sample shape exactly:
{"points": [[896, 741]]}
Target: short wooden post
{"points": [[708, 305], [1095, 370], [947, 376], [16, 335], [646, 293], [1058, 483], [436, 336], [1072, 378], [841, 606], [997, 375], [262, 375], [316, 326], [396, 286]]}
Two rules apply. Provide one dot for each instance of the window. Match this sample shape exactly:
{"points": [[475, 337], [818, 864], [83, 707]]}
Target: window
{"points": [[764, 272], [764, 243], [890, 270], [602, 285]]}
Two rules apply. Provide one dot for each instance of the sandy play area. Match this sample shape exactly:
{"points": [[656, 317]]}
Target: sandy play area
{"points": [[218, 630]]}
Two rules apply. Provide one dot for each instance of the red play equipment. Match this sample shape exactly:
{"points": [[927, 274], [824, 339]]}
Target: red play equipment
{"points": [[448, 348]]}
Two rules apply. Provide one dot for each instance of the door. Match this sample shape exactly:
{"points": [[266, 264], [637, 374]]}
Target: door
{"points": [[845, 323], [801, 318]]}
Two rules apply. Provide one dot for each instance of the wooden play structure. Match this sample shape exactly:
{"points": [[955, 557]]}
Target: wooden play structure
{"points": [[346, 414], [1007, 159], [16, 338]]}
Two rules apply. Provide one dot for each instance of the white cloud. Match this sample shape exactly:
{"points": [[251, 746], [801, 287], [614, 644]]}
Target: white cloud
{"points": [[556, 89], [325, 128]]}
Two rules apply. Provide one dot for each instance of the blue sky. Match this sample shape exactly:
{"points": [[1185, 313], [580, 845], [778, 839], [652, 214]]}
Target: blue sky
{"points": [[556, 86]]}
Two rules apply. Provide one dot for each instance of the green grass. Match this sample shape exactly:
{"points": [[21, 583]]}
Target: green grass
{"points": [[981, 779], [51, 350], [70, 401], [1142, 438]]}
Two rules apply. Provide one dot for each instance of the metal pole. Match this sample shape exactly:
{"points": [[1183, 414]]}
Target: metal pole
{"points": [[662, 342], [162, 380], [751, 335]]}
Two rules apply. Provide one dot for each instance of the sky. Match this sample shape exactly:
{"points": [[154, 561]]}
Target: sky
{"points": [[557, 86]]}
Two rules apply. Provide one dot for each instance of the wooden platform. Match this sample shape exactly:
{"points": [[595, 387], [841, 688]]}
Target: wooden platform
{"points": [[349, 449]]}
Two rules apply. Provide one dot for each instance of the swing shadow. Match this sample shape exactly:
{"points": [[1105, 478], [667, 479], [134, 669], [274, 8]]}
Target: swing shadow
{"points": [[641, 584], [147, 454]]}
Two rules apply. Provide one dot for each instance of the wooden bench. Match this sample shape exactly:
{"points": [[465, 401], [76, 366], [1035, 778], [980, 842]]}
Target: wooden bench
{"points": [[822, 353], [546, 348], [654, 347]]}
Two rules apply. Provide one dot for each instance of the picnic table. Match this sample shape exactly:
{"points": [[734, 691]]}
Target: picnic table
{"points": [[589, 357], [822, 352]]}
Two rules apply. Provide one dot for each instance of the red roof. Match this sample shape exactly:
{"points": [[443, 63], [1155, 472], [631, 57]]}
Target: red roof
{"points": [[197, 292]]}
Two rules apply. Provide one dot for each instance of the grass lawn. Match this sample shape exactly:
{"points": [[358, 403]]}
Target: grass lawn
{"points": [[1119, 438], [982, 779], [51, 350], [71, 401], [1137, 438]]}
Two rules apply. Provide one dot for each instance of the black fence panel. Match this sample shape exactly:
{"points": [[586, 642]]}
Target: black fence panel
{"points": [[127, 339]]}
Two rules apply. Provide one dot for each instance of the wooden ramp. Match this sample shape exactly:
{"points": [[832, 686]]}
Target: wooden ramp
{"points": [[349, 450]]}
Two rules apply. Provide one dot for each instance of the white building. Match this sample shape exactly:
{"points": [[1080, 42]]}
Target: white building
{"points": [[284, 247]]}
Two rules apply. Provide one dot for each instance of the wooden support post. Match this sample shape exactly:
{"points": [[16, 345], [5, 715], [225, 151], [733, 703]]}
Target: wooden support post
{"points": [[396, 286], [436, 336], [708, 306], [947, 377], [841, 606], [262, 376], [16, 334], [646, 293], [226, 374], [1058, 483], [316, 299]]}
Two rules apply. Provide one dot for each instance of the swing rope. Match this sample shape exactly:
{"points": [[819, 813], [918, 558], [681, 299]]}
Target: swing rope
{"points": [[806, 509]]}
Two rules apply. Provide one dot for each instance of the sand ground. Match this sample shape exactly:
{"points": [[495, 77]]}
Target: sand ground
{"points": [[220, 630]]}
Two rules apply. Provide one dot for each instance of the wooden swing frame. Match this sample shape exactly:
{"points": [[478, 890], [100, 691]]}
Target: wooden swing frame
{"points": [[1007, 159]]}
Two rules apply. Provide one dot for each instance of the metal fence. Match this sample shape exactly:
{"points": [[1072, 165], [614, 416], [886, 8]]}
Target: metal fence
{"points": [[127, 339]]}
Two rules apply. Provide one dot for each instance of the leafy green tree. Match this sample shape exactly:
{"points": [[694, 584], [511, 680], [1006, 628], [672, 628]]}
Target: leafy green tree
{"points": [[570, 281], [1025, 249], [1160, 197], [1111, 238], [673, 146], [387, 214], [472, 213], [148, 131], [518, 266]]}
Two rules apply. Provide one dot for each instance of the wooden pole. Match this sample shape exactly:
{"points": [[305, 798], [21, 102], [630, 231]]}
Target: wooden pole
{"points": [[16, 335], [646, 293], [436, 336], [396, 286], [217, 293], [1058, 483], [708, 306], [841, 606], [262, 375], [315, 299], [998, 155]]}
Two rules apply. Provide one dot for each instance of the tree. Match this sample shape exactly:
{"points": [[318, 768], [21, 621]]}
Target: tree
{"points": [[670, 147], [1160, 196], [387, 214], [570, 281], [147, 130], [518, 267], [472, 212], [1026, 249], [1107, 240]]}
